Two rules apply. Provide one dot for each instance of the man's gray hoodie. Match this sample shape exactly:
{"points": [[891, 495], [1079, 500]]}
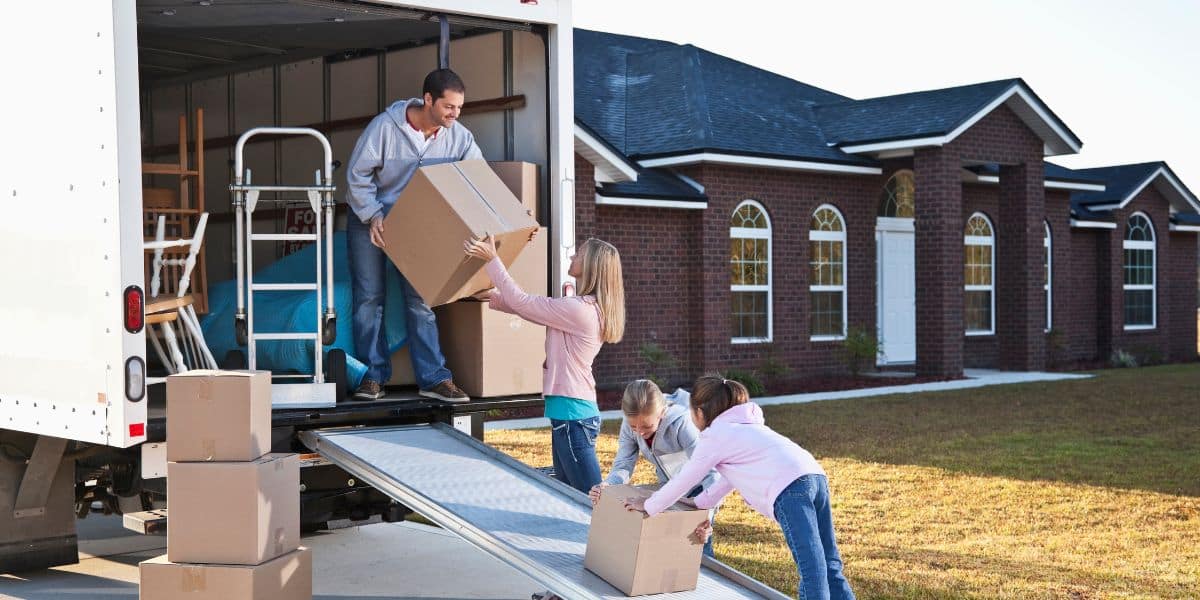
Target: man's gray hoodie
{"points": [[384, 159]]}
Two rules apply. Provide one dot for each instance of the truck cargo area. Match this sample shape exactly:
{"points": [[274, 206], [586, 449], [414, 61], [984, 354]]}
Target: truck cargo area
{"points": [[517, 514]]}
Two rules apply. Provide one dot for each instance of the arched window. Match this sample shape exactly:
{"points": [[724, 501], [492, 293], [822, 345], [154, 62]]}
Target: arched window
{"points": [[1140, 278], [827, 274], [1048, 283], [750, 264], [897, 198], [980, 292]]}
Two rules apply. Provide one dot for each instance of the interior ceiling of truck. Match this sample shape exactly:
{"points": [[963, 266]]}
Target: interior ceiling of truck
{"points": [[185, 40]]}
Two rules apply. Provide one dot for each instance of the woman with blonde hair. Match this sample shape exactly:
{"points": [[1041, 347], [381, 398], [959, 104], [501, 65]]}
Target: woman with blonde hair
{"points": [[576, 328]]}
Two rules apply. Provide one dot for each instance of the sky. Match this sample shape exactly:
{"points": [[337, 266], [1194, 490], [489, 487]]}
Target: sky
{"points": [[1124, 76]]}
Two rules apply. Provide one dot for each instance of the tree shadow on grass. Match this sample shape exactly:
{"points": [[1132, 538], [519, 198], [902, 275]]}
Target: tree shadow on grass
{"points": [[1129, 429]]}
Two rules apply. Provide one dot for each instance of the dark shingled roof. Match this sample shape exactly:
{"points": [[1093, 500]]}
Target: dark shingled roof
{"points": [[904, 116], [652, 98], [1186, 218], [654, 184], [1053, 172], [1119, 181]]}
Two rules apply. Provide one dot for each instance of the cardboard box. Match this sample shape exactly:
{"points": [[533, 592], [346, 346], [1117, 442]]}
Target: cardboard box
{"points": [[443, 206], [522, 179], [489, 352], [288, 577], [234, 513], [402, 371], [531, 268], [643, 555], [218, 415]]}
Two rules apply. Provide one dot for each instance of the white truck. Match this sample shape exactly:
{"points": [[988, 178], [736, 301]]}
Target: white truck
{"points": [[92, 87]]}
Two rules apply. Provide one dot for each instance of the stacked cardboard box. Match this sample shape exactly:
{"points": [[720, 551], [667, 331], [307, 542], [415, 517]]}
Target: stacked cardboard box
{"points": [[493, 354], [234, 509]]}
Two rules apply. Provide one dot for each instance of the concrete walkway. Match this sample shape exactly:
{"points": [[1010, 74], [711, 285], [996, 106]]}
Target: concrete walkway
{"points": [[975, 378], [399, 561]]}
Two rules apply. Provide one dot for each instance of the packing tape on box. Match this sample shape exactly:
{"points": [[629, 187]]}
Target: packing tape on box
{"points": [[471, 184], [193, 579], [670, 580]]}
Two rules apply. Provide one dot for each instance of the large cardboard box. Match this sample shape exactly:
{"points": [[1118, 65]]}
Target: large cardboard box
{"points": [[402, 371], [489, 352], [441, 207], [522, 179], [531, 268], [238, 513], [218, 415], [643, 555], [288, 577]]}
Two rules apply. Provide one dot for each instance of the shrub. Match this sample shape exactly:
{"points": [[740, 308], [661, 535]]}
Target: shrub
{"points": [[861, 348], [747, 378], [1121, 358], [658, 362]]}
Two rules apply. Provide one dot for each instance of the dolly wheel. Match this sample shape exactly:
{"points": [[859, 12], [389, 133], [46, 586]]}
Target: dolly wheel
{"points": [[329, 331]]}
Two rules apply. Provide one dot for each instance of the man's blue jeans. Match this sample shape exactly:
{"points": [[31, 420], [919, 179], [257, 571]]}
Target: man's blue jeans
{"points": [[803, 512], [573, 446], [368, 285]]}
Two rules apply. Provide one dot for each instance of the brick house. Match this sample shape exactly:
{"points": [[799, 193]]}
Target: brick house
{"points": [[762, 218]]}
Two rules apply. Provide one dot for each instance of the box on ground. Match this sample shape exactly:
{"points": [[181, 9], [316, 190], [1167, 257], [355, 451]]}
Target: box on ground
{"points": [[402, 371], [218, 415], [643, 555], [522, 180], [491, 353], [441, 207], [288, 577], [237, 513]]}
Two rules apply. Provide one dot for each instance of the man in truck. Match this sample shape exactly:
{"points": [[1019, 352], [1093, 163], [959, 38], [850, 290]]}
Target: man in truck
{"points": [[408, 135]]}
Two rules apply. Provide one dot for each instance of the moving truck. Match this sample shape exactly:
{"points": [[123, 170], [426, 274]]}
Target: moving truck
{"points": [[95, 91]]}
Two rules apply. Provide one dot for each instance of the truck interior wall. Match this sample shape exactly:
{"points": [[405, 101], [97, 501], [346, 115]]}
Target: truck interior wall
{"points": [[319, 90]]}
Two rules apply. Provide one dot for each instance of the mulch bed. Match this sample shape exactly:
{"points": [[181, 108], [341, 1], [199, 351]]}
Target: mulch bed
{"points": [[611, 399]]}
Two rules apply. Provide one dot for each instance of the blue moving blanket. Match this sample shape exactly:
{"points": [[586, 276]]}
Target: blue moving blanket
{"points": [[295, 312]]}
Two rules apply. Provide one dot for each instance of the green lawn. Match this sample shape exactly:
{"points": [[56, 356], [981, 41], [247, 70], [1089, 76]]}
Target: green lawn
{"points": [[1075, 489]]}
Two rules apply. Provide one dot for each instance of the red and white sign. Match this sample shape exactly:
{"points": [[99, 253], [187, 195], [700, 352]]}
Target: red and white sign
{"points": [[298, 219]]}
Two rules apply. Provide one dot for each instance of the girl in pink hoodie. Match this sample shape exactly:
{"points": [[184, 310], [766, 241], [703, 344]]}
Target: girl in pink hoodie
{"points": [[576, 328], [777, 478]]}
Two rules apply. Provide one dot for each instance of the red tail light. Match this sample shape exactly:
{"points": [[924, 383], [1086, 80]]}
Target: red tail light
{"points": [[135, 309]]}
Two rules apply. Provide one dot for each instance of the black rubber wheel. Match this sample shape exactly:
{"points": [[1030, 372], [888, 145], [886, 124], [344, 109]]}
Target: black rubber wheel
{"points": [[234, 360], [329, 331], [240, 331], [335, 373]]}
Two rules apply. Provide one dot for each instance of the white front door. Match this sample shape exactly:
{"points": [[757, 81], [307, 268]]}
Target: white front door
{"points": [[897, 290]]}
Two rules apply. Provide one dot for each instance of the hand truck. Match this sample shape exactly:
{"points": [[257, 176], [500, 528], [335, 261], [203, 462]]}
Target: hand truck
{"points": [[327, 383]]}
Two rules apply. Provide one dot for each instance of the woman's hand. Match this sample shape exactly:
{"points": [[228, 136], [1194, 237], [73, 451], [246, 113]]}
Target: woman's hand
{"points": [[635, 504], [702, 533], [484, 249], [594, 494], [484, 296]]}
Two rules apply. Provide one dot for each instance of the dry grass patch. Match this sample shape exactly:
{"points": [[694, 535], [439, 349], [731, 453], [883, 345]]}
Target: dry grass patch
{"points": [[1079, 489]]}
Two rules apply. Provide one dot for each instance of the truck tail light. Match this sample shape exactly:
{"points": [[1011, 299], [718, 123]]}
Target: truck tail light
{"points": [[135, 307]]}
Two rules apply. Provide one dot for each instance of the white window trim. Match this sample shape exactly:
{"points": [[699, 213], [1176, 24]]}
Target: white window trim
{"points": [[760, 234], [979, 240], [1048, 244], [1152, 246], [832, 236]]}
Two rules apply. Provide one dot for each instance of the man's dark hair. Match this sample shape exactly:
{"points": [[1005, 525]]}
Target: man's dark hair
{"points": [[437, 82]]}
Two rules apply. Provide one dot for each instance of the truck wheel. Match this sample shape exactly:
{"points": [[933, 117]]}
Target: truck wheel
{"points": [[234, 359], [335, 373]]}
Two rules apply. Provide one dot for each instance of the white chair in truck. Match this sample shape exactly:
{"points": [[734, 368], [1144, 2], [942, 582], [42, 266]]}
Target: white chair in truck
{"points": [[174, 313]]}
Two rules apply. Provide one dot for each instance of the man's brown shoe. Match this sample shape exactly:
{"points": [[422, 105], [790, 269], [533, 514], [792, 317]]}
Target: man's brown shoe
{"points": [[369, 390], [446, 391]]}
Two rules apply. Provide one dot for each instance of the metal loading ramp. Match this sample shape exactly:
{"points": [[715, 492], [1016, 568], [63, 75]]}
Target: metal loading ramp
{"points": [[536, 524]]}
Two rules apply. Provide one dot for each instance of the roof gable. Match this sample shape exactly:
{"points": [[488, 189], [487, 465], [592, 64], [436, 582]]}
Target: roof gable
{"points": [[1124, 182], [937, 117]]}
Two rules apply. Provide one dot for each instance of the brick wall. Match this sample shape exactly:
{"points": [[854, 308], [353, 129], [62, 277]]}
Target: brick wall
{"points": [[1181, 328], [1151, 343]]}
